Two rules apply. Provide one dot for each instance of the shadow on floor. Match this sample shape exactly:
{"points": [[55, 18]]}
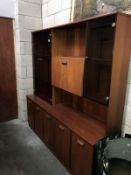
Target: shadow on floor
{"points": [[23, 153]]}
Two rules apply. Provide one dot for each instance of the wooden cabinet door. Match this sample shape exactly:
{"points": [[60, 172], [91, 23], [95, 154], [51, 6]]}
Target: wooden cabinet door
{"points": [[39, 122], [31, 114], [75, 76], [81, 157], [49, 131], [8, 94], [67, 74], [62, 143]]}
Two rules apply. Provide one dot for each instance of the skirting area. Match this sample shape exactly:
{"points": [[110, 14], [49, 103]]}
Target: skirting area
{"points": [[23, 153]]}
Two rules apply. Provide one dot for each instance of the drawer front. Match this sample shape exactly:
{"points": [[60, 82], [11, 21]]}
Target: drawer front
{"points": [[81, 156], [62, 143]]}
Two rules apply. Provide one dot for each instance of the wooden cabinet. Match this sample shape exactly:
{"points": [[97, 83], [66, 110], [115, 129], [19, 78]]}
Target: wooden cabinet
{"points": [[49, 131], [81, 156], [39, 122], [85, 63], [8, 93], [66, 75], [62, 143], [31, 114]]}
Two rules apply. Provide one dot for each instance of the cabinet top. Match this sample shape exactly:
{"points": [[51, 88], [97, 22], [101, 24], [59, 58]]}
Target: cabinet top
{"points": [[83, 21], [87, 128]]}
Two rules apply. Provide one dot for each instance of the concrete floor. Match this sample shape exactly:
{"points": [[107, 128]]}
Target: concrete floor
{"points": [[23, 153]]}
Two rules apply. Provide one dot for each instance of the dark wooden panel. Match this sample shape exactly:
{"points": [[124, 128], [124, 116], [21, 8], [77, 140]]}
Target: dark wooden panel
{"points": [[31, 114], [39, 122], [81, 157], [8, 97], [62, 143], [42, 64], [49, 131], [121, 57]]}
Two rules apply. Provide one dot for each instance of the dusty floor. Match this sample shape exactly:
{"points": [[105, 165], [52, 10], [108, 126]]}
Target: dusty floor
{"points": [[23, 153]]}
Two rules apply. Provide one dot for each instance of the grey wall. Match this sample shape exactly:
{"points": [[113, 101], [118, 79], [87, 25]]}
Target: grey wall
{"points": [[7, 8]]}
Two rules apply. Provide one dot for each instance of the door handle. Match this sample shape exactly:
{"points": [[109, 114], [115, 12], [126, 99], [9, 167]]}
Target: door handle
{"points": [[64, 63], [62, 128], [80, 142]]}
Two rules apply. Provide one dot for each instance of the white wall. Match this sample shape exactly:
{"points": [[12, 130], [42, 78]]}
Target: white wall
{"points": [[7, 8], [56, 12], [28, 16]]}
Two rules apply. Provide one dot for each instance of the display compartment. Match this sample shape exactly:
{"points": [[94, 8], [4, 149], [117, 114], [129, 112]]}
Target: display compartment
{"points": [[98, 65], [42, 64]]}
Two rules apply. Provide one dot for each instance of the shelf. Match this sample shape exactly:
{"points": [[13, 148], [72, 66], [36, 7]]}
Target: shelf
{"points": [[84, 126]]}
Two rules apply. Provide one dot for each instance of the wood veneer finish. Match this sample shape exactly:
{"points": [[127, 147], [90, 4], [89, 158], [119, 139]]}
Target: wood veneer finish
{"points": [[8, 97], [85, 127], [121, 56]]}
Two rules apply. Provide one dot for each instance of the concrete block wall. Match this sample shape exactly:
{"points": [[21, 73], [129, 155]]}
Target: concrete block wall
{"points": [[127, 111], [55, 12], [28, 15]]}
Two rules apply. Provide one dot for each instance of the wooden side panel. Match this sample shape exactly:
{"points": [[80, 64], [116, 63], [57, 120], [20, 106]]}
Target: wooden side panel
{"points": [[121, 56], [56, 72], [8, 97], [31, 114], [81, 157]]}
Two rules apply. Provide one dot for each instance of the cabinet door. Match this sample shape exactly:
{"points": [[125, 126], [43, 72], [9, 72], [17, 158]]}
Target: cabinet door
{"points": [[75, 76], [31, 113], [39, 122], [62, 143], [98, 66], [81, 157], [67, 74], [49, 131]]}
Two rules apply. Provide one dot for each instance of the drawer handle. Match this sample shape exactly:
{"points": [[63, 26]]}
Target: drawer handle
{"points": [[64, 63], [80, 142], [62, 128]]}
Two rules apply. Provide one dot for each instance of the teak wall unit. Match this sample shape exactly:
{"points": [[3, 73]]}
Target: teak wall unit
{"points": [[8, 94], [80, 77]]}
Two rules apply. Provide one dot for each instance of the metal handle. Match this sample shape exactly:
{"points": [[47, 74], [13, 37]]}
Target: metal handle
{"points": [[113, 24], [61, 127], [80, 142], [64, 63], [107, 98]]}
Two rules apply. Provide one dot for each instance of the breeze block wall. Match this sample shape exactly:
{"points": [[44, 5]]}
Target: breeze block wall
{"points": [[28, 17]]}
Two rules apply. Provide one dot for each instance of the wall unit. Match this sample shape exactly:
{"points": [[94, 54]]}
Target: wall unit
{"points": [[8, 95], [84, 98]]}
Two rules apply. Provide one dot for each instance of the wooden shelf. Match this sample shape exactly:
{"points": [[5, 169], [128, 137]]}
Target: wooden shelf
{"points": [[85, 127]]}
